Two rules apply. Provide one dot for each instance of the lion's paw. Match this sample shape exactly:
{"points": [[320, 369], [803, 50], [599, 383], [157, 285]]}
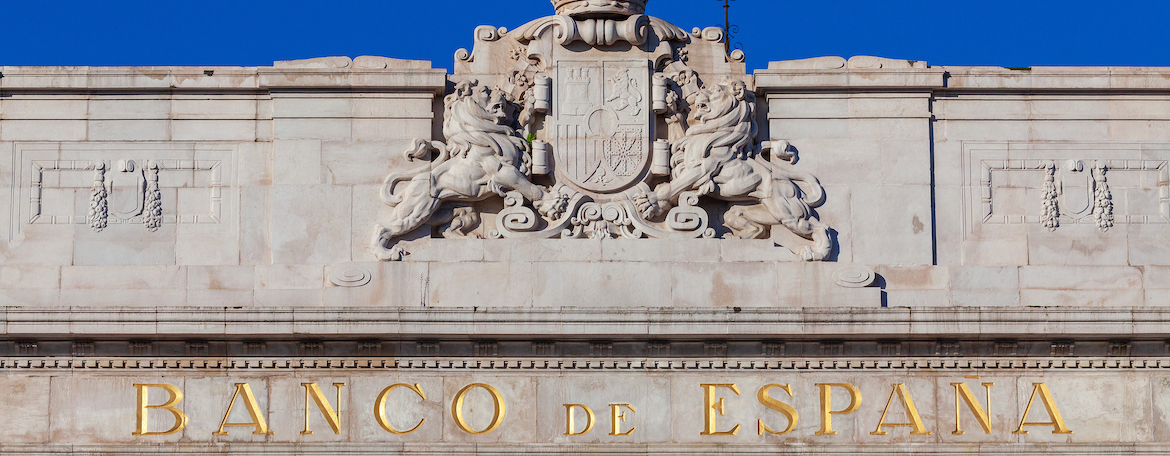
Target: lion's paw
{"points": [[647, 204], [553, 205], [707, 188], [391, 254]]}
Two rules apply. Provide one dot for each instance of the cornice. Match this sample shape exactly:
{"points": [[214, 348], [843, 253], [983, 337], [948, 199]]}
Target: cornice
{"points": [[958, 322], [258, 364]]}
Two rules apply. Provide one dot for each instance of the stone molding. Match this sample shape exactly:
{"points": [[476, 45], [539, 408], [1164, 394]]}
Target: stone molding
{"points": [[578, 365], [951, 322]]}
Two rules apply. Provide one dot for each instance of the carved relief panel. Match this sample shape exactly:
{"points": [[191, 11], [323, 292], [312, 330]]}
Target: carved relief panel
{"points": [[107, 186], [1055, 185]]}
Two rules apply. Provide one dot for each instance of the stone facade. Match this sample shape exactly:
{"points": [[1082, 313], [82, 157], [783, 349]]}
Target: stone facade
{"points": [[598, 221]]}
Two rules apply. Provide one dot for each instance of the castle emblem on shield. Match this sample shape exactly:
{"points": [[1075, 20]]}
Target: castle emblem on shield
{"points": [[602, 124]]}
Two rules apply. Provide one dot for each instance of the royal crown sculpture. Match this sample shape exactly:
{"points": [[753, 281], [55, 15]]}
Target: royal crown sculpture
{"points": [[602, 122]]}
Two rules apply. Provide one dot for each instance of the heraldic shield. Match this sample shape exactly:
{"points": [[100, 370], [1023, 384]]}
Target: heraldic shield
{"points": [[602, 121]]}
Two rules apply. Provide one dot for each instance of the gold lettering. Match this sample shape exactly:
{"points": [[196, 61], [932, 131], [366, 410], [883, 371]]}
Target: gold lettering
{"points": [[380, 407], [984, 418], [827, 405], [245, 390], [497, 417], [711, 405], [176, 396], [911, 412], [778, 406], [619, 417], [570, 428], [1057, 422], [314, 392]]}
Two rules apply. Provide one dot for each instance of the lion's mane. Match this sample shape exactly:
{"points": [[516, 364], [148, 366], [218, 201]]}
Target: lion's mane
{"points": [[468, 123]]}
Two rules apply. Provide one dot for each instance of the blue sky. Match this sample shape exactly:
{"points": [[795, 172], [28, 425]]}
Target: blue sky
{"points": [[1015, 33]]}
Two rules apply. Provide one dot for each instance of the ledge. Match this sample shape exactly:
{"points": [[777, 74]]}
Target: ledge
{"points": [[951, 322]]}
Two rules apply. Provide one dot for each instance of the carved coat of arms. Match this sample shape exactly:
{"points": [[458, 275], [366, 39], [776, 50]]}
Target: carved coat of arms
{"points": [[601, 121]]}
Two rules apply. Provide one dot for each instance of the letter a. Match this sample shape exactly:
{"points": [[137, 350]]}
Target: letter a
{"points": [[917, 428], [1057, 422], [244, 390]]}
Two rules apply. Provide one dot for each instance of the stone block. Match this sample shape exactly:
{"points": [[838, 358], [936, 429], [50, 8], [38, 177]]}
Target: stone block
{"points": [[44, 107], [1007, 251], [1069, 248], [1080, 277], [915, 277], [121, 107], [44, 297], [219, 298], [397, 284], [29, 277], [43, 130], [983, 130], [288, 298], [91, 251], [728, 285], [202, 107], [287, 409], [215, 394], [553, 250], [661, 250], [255, 225], [985, 298], [404, 409], [1003, 413], [254, 166], [97, 297], [96, 410], [123, 277], [129, 130], [480, 284], [520, 394], [918, 298], [984, 277], [753, 250], [1082, 298], [391, 129], [213, 130], [288, 277], [27, 401], [290, 128], [910, 129], [310, 224], [566, 284], [901, 237], [311, 106], [348, 162], [429, 249], [296, 162], [221, 277]]}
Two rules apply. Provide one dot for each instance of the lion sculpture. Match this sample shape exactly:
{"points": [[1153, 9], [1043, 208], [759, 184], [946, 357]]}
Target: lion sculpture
{"points": [[718, 157], [483, 156]]}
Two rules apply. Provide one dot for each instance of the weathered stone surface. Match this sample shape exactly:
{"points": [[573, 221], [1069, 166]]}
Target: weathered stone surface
{"points": [[596, 208]]}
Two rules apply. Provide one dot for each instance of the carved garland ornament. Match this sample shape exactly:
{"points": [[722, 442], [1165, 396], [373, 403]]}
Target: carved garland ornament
{"points": [[595, 167]]}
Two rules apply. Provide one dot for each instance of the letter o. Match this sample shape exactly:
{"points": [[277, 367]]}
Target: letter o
{"points": [[457, 409]]}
